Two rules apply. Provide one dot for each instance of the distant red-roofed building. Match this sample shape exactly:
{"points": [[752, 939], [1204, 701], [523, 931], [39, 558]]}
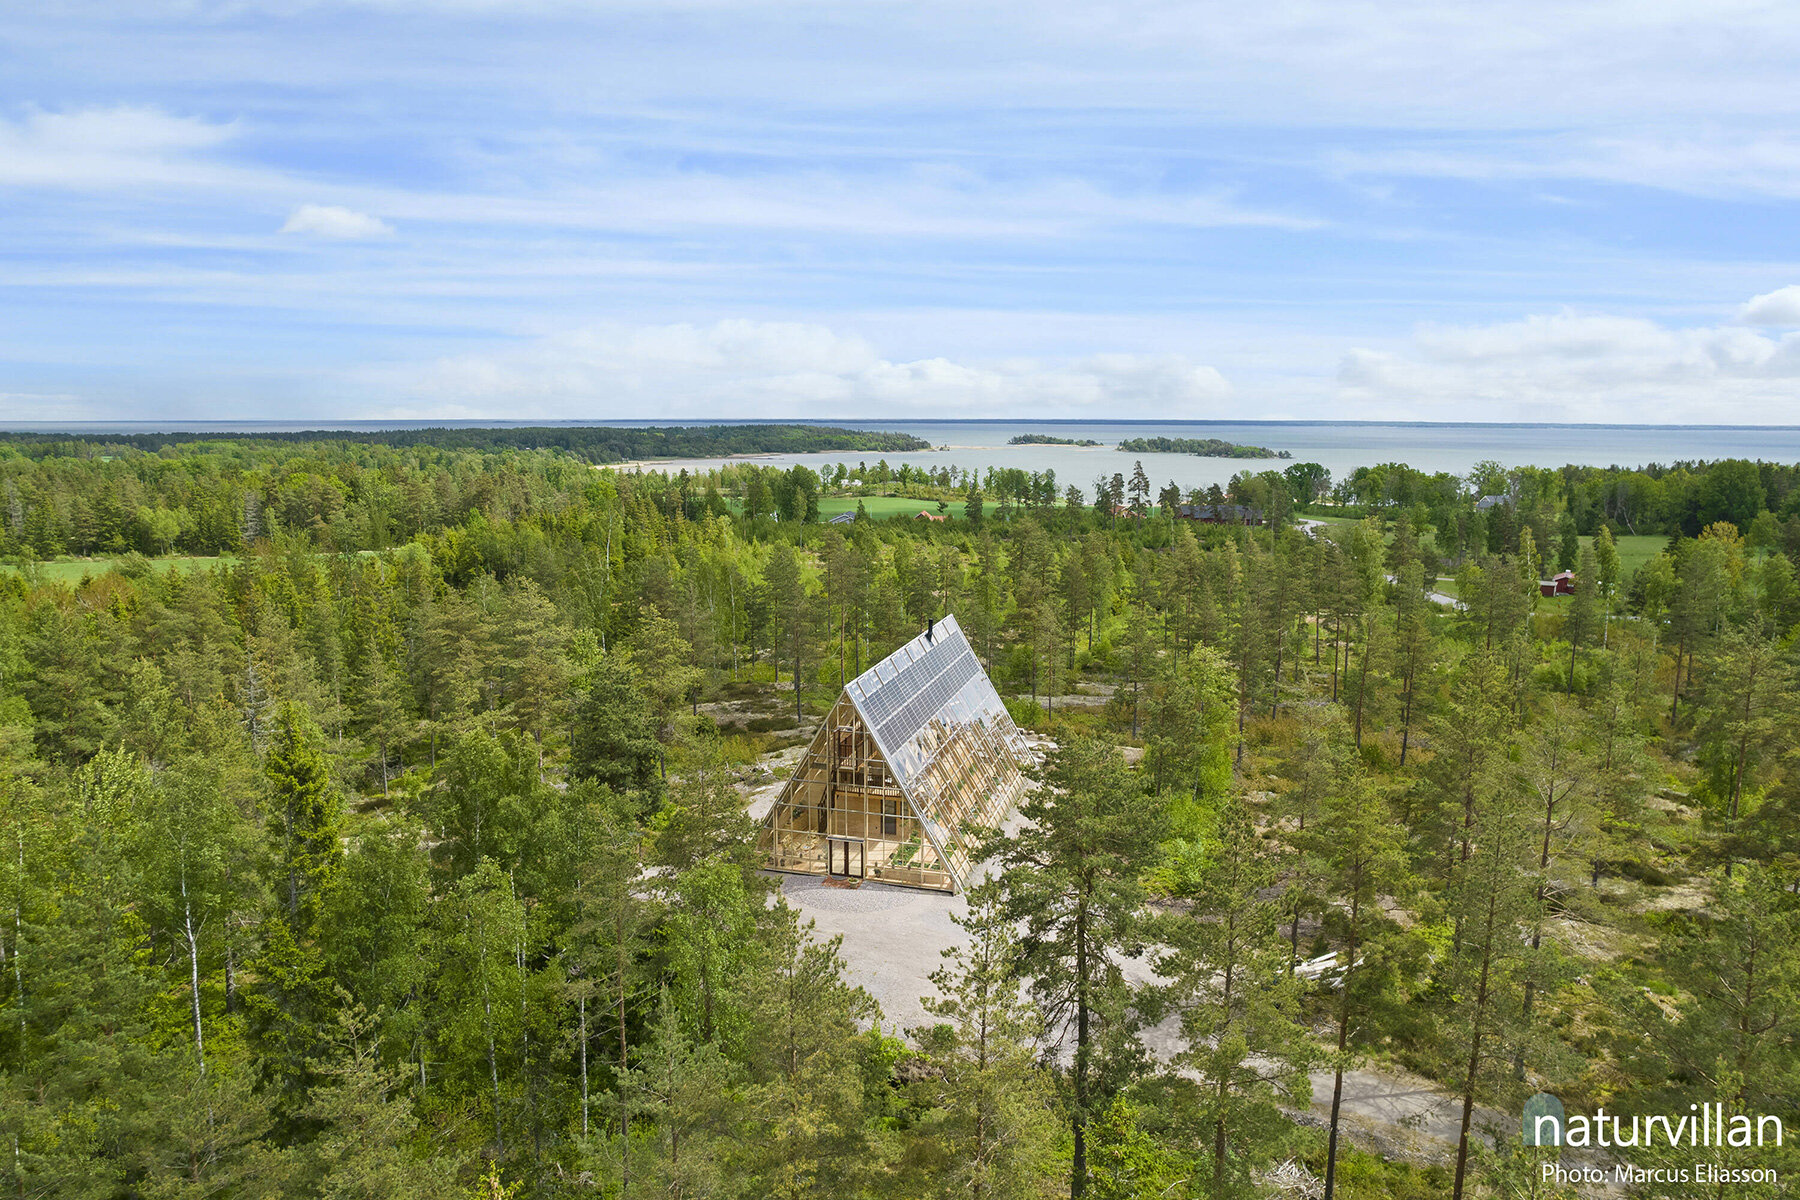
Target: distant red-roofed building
{"points": [[1560, 584]]}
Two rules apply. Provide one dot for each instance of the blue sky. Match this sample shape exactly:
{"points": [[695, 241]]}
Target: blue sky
{"points": [[691, 208]]}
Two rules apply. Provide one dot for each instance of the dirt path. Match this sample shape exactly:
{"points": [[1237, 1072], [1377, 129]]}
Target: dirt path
{"points": [[894, 938]]}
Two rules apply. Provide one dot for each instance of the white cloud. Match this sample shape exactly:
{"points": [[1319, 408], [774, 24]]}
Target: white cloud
{"points": [[1779, 307], [107, 148], [909, 201], [759, 368], [1573, 367], [335, 221]]}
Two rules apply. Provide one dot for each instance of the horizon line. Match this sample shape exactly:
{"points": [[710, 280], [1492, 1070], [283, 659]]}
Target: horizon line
{"points": [[376, 424]]}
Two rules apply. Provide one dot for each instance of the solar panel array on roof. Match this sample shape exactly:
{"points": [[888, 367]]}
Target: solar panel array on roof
{"points": [[905, 694]]}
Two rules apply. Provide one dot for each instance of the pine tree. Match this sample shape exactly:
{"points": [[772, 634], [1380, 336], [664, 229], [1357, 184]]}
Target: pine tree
{"points": [[1482, 981], [1583, 614], [1138, 654], [993, 1132], [1045, 630], [664, 663], [1362, 860], [385, 704], [614, 741], [483, 926], [211, 1134], [453, 656], [705, 819], [533, 642], [365, 1147], [1188, 736], [1139, 489], [305, 812], [1734, 1039], [1467, 736], [1744, 978], [1554, 779], [1250, 631], [1240, 1006], [688, 1093], [1749, 692], [1415, 649], [793, 617], [80, 1088], [1606, 578], [604, 946], [806, 1105], [1073, 876], [1622, 770], [1078, 604], [374, 934]]}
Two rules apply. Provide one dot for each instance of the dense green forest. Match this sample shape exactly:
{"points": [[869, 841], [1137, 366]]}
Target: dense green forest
{"points": [[594, 443], [399, 847], [1047, 439]]}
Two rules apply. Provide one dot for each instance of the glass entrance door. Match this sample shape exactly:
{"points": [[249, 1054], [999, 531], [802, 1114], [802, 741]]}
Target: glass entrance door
{"points": [[846, 857]]}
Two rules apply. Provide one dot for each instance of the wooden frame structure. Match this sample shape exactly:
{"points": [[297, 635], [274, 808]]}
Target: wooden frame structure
{"points": [[916, 761]]}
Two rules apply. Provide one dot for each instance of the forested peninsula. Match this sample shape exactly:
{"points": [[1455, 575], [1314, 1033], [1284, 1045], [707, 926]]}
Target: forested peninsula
{"points": [[1207, 447], [594, 443], [375, 818]]}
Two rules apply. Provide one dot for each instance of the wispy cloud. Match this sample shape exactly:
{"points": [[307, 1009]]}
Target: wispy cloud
{"points": [[1720, 162], [650, 202], [109, 148]]}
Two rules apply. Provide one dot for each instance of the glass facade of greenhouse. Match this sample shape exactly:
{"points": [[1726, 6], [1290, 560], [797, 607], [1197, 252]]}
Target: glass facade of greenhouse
{"points": [[914, 763]]}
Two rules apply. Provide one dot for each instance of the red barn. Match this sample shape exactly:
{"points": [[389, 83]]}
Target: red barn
{"points": [[1560, 584]]}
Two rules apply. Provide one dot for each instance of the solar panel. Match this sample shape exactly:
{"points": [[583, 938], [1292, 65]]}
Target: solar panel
{"points": [[925, 679]]}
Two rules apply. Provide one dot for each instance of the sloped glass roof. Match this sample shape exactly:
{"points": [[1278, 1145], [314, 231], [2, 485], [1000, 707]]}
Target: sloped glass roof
{"points": [[916, 761]]}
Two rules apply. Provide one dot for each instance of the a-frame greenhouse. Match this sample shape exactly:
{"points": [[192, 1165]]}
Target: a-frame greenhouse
{"points": [[915, 760]]}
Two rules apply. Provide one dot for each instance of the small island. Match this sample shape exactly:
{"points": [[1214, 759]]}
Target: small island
{"points": [[1045, 439], [1207, 447]]}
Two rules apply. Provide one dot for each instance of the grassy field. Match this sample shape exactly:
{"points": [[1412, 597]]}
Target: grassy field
{"points": [[883, 507], [1635, 551], [71, 570], [880, 508]]}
